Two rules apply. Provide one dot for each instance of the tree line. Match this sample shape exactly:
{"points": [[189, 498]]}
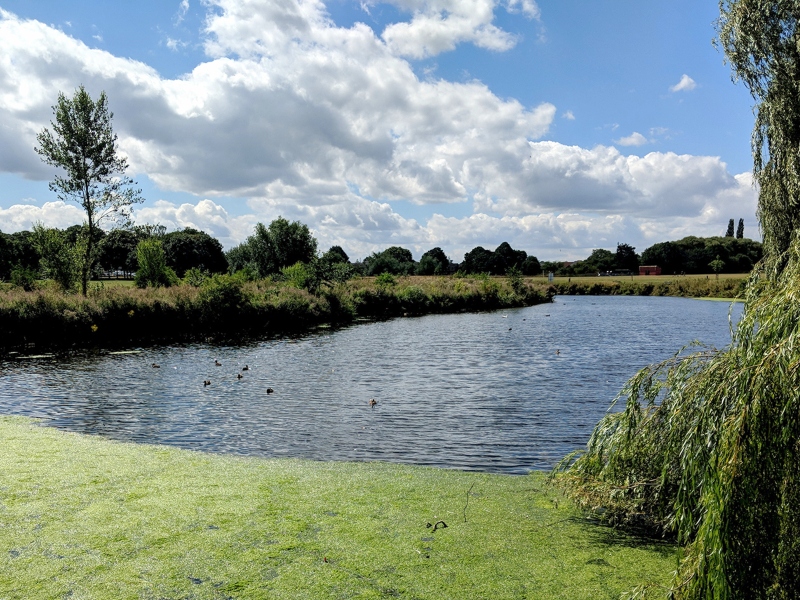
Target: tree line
{"points": [[689, 255]]}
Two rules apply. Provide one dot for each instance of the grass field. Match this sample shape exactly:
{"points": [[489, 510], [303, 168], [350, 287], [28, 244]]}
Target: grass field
{"points": [[82, 517]]}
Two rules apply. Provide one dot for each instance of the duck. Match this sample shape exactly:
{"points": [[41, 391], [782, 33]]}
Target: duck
{"points": [[558, 351], [206, 382], [217, 363], [270, 390], [373, 402], [155, 366], [245, 368], [239, 376]]}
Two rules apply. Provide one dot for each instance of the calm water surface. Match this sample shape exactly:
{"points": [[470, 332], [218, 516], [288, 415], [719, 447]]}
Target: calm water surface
{"points": [[470, 391]]}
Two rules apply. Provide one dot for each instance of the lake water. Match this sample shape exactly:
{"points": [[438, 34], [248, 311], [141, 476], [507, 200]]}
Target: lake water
{"points": [[485, 391]]}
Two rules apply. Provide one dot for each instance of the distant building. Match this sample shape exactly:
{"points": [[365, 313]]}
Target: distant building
{"points": [[649, 270]]}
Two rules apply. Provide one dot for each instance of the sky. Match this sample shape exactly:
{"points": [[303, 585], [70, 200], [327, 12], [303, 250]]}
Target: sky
{"points": [[559, 126]]}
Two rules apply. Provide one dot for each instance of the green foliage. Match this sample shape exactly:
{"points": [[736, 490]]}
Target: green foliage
{"points": [[515, 281], [152, 268], [296, 275], [190, 248], [759, 38], [24, 278], [117, 251], [729, 231], [497, 262], [272, 248], [195, 277], [717, 265], [335, 255], [60, 260], [82, 143], [740, 230], [692, 254], [385, 280], [433, 262], [707, 448], [394, 260]]}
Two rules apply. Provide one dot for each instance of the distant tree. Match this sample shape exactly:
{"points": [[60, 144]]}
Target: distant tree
{"points": [[478, 260], [240, 258], [272, 248], [335, 255], [394, 260], [60, 260], [531, 266], [117, 251], [190, 248], [717, 265], [626, 258], [729, 232], [6, 256], [433, 262], [83, 143], [505, 257], [740, 230], [599, 261], [152, 270], [23, 252]]}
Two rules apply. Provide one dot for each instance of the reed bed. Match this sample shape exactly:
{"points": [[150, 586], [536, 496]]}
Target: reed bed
{"points": [[225, 307]]}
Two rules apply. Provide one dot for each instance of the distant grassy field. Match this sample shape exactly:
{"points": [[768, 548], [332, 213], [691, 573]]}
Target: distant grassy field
{"points": [[82, 517]]}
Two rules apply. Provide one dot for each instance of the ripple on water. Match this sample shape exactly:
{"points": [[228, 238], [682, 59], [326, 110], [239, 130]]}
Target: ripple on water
{"points": [[459, 391]]}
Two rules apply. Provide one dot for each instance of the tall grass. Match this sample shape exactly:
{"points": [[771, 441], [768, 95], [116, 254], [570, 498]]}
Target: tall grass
{"points": [[229, 307], [693, 287]]}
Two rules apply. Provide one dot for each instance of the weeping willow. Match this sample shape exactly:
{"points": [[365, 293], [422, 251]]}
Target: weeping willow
{"points": [[707, 445]]}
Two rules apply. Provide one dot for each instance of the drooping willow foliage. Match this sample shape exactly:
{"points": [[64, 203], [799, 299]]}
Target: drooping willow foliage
{"points": [[708, 448], [761, 41], [708, 445]]}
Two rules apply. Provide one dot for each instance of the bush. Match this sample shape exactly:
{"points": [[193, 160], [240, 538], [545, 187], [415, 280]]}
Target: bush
{"points": [[24, 278], [153, 270]]}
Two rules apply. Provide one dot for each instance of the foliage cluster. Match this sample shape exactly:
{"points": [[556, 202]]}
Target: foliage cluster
{"points": [[499, 261], [707, 448], [644, 286], [232, 306]]}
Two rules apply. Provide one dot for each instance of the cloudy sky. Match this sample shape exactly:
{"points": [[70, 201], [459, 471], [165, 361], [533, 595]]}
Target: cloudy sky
{"points": [[556, 125]]}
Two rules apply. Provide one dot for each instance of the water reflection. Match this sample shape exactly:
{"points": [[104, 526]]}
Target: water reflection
{"points": [[471, 391]]}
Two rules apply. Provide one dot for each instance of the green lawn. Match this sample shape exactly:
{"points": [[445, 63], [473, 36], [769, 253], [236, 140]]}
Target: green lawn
{"points": [[82, 517]]}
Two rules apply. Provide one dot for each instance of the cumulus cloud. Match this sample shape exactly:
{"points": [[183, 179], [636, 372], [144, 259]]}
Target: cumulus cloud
{"points": [[298, 117], [568, 115], [634, 139], [686, 84]]}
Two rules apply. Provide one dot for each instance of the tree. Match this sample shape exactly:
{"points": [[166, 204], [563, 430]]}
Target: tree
{"points": [[152, 270], [531, 266], [117, 251], [717, 265], [729, 232], [394, 260], [335, 255], [190, 248], [83, 144], [740, 230], [60, 260], [505, 257], [626, 258], [433, 262], [478, 260], [272, 248]]}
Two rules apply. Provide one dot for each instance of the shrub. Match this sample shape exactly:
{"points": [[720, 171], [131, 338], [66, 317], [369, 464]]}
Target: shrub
{"points": [[24, 278], [153, 270]]}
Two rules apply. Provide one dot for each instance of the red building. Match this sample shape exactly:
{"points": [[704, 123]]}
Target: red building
{"points": [[650, 270]]}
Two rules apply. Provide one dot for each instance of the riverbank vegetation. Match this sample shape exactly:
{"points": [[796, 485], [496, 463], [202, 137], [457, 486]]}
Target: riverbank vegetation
{"points": [[85, 517], [231, 307], [706, 447], [727, 286]]}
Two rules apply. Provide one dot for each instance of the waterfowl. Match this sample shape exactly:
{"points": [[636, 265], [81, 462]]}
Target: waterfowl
{"points": [[155, 366], [239, 376], [206, 382], [373, 402], [558, 351], [245, 368], [217, 363], [270, 390]]}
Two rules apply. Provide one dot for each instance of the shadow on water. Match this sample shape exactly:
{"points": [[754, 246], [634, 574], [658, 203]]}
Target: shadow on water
{"points": [[507, 392]]}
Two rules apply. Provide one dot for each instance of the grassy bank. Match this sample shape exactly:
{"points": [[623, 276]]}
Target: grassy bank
{"points": [[225, 307], [83, 517], [697, 286]]}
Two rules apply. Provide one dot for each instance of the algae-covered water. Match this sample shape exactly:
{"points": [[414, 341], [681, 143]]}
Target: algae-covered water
{"points": [[507, 392]]}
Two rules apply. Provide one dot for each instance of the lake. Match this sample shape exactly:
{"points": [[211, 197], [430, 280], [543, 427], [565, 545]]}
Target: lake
{"points": [[506, 392]]}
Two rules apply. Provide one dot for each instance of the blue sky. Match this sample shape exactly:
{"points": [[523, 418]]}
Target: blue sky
{"points": [[558, 125]]}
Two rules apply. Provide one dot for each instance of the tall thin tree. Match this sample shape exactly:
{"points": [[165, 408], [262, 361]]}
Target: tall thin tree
{"points": [[83, 143], [740, 230], [729, 232]]}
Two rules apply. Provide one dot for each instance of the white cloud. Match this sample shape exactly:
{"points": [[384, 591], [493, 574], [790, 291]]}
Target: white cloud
{"points": [[634, 139], [568, 115], [183, 8], [328, 125], [438, 26], [19, 217], [686, 84]]}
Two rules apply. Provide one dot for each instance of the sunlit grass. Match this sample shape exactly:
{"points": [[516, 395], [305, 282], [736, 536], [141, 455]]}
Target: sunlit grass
{"points": [[82, 517]]}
